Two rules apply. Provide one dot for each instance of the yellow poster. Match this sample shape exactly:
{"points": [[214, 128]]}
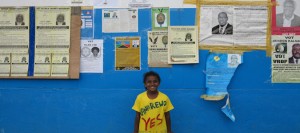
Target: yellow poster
{"points": [[60, 64], [5, 64], [19, 64], [128, 53], [42, 64], [52, 29], [14, 30]]}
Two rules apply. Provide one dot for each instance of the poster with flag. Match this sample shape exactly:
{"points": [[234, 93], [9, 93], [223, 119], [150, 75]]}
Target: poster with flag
{"points": [[128, 54]]}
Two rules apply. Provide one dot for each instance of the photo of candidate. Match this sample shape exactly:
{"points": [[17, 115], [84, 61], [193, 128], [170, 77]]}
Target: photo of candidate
{"points": [[47, 60], [60, 19], [234, 61], [160, 19], [135, 45], [188, 37], [24, 60], [20, 20], [6, 60], [64, 60], [164, 40], [295, 54], [288, 18], [223, 27], [95, 51]]}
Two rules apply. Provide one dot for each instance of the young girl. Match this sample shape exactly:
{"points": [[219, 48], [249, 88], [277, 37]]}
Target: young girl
{"points": [[152, 108]]}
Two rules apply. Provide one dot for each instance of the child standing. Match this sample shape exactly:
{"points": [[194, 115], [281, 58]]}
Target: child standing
{"points": [[152, 108]]}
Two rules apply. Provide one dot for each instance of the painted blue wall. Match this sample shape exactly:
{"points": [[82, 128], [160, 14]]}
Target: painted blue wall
{"points": [[101, 103]]}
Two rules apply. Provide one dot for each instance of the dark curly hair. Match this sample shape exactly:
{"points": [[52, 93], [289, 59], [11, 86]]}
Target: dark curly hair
{"points": [[151, 73], [95, 48]]}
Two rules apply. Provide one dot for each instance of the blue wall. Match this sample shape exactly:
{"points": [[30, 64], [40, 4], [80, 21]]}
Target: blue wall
{"points": [[101, 103]]}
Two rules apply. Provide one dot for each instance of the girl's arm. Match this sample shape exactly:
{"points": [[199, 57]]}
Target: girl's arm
{"points": [[136, 122], [168, 121]]}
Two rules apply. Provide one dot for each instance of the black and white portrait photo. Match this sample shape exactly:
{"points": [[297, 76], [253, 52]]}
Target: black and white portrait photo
{"points": [[60, 19], [223, 27], [19, 19], [287, 13]]}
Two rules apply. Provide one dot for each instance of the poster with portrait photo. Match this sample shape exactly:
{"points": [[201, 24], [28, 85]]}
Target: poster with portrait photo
{"points": [[182, 45], [234, 60], [158, 49], [19, 64], [286, 17], [216, 25], [160, 18], [42, 64], [14, 29], [91, 60], [87, 23], [233, 25], [52, 29], [119, 20], [285, 58], [5, 64], [60, 64]]}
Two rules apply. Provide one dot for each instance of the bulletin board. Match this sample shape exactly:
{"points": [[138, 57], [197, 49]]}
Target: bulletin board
{"points": [[74, 49]]}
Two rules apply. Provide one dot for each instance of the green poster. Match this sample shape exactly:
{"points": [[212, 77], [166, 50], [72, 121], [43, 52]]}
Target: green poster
{"points": [[160, 18]]}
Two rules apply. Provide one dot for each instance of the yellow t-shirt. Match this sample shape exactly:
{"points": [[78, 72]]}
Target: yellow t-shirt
{"points": [[152, 112]]}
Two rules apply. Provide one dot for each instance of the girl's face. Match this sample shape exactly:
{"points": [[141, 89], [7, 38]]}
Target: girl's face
{"points": [[152, 83]]}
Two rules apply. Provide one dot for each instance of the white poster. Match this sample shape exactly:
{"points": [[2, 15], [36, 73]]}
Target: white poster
{"points": [[91, 60], [119, 20], [182, 45], [286, 59], [233, 25]]}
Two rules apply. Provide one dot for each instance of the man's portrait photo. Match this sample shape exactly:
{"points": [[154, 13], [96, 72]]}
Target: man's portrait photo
{"points": [[223, 27], [188, 37], [161, 20], [164, 40], [233, 60], [295, 54], [64, 60], [47, 60], [24, 60], [60, 19], [19, 19], [6, 60], [287, 18], [115, 15], [95, 51]]}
